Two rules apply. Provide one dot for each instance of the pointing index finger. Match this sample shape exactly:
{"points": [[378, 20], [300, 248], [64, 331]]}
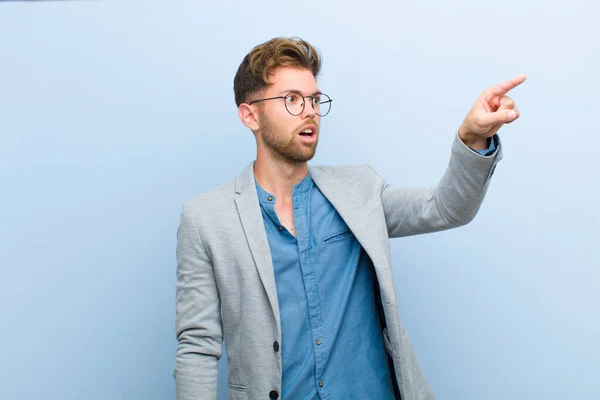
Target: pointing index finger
{"points": [[502, 88]]}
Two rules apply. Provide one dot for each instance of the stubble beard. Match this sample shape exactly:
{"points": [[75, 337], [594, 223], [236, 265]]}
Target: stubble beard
{"points": [[282, 149]]}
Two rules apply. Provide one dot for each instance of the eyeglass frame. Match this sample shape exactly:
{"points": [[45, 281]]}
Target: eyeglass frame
{"points": [[303, 102]]}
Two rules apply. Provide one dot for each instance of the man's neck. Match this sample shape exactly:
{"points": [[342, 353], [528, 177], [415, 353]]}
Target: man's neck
{"points": [[279, 177]]}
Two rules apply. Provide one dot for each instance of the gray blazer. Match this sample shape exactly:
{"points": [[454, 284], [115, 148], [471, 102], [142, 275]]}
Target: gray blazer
{"points": [[226, 286]]}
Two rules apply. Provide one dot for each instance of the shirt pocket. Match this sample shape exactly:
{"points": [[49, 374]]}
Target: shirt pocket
{"points": [[335, 230], [346, 234]]}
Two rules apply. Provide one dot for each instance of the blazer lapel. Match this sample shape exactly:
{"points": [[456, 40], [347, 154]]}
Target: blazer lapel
{"points": [[351, 210], [248, 207]]}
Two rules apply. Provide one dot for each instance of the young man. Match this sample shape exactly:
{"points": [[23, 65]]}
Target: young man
{"points": [[290, 263]]}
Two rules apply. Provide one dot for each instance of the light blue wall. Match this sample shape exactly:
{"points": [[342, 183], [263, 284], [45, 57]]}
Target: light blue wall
{"points": [[113, 113]]}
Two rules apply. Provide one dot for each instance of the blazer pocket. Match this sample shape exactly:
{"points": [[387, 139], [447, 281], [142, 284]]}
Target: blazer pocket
{"points": [[238, 388], [346, 234]]}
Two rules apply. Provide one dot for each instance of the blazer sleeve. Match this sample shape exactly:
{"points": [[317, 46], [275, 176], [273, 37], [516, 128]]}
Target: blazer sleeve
{"points": [[198, 317], [453, 202]]}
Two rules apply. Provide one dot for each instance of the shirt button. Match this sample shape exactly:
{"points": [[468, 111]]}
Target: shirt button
{"points": [[270, 198], [273, 395], [280, 227], [320, 383], [318, 341], [276, 346]]}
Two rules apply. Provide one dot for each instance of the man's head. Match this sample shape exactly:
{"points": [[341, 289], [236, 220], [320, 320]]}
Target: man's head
{"points": [[269, 86]]}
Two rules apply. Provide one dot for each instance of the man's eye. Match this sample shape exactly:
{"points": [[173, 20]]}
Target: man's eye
{"points": [[292, 98]]}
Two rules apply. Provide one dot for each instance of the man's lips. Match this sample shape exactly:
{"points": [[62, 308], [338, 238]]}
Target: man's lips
{"points": [[309, 139], [308, 131]]}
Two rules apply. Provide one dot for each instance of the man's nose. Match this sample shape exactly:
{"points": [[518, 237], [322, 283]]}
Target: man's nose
{"points": [[309, 111]]}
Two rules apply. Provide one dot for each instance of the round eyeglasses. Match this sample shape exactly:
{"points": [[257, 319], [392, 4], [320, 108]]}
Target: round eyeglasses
{"points": [[294, 103]]}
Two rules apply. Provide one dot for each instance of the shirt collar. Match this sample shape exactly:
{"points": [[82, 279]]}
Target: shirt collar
{"points": [[301, 187]]}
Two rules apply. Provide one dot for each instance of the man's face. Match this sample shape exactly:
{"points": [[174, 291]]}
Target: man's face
{"points": [[281, 132]]}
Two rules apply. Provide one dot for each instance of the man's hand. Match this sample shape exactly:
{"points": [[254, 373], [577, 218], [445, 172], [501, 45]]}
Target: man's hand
{"points": [[491, 110]]}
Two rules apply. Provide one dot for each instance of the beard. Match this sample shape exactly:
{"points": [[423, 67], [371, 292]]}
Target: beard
{"points": [[283, 148]]}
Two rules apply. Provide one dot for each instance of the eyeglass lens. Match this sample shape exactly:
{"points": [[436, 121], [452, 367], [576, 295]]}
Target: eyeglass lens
{"points": [[295, 103]]}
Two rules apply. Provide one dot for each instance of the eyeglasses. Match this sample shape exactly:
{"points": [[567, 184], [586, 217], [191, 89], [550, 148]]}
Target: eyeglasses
{"points": [[294, 103]]}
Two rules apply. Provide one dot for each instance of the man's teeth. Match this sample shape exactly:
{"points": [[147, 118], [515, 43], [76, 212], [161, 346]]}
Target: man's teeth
{"points": [[307, 131]]}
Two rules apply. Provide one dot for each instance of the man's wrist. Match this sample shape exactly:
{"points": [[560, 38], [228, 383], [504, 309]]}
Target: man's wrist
{"points": [[475, 142]]}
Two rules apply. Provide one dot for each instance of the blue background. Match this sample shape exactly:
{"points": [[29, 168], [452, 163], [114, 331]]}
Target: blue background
{"points": [[113, 113]]}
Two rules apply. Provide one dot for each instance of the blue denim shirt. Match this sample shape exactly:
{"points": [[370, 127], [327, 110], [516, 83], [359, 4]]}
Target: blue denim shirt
{"points": [[331, 337]]}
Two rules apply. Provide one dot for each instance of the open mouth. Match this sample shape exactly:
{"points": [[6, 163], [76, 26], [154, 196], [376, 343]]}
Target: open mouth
{"points": [[308, 131]]}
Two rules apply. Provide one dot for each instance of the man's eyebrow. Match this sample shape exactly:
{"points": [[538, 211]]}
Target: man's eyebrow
{"points": [[299, 92]]}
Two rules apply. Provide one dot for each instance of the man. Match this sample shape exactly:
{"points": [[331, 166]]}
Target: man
{"points": [[290, 263]]}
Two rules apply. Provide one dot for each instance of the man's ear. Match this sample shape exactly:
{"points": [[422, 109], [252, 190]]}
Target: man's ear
{"points": [[248, 116]]}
